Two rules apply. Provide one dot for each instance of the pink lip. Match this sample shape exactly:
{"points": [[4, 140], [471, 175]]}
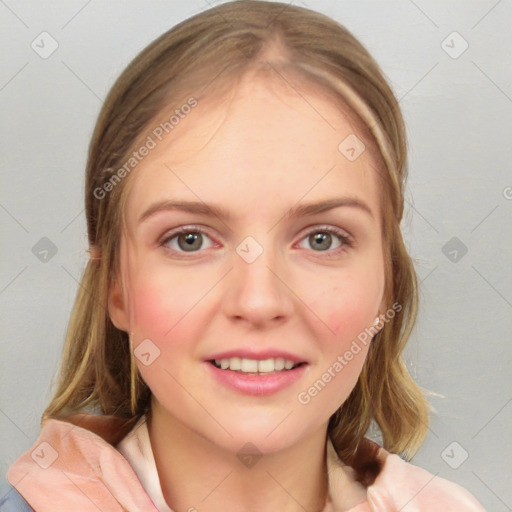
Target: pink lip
{"points": [[254, 384], [258, 355]]}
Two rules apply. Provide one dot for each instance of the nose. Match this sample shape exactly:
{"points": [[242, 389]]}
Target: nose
{"points": [[257, 291]]}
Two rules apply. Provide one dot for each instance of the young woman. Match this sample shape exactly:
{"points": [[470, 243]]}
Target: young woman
{"points": [[241, 320]]}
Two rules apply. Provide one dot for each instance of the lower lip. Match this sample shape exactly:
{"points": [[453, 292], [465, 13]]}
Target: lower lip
{"points": [[258, 385]]}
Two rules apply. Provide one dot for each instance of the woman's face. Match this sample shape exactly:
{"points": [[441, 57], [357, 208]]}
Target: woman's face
{"points": [[266, 278]]}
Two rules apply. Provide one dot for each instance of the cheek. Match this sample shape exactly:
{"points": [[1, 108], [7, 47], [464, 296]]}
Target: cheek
{"points": [[349, 315], [162, 316], [161, 308], [348, 309], [353, 305], [154, 309], [161, 300]]}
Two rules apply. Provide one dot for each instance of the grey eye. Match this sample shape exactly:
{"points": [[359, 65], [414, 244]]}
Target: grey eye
{"points": [[187, 241], [322, 240]]}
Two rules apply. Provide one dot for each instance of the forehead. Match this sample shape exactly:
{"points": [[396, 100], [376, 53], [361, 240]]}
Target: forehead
{"points": [[267, 141]]}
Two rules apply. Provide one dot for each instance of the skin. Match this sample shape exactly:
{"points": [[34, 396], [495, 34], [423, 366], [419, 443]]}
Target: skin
{"points": [[257, 154]]}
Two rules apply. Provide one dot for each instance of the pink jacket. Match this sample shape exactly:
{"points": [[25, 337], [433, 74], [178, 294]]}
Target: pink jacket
{"points": [[73, 467]]}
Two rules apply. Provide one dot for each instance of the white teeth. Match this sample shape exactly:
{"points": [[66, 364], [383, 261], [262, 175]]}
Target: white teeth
{"points": [[267, 365], [279, 364], [249, 365], [254, 366], [235, 363]]}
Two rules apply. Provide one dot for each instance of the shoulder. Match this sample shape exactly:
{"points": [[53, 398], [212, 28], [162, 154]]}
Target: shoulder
{"points": [[13, 501], [62, 449], [409, 487]]}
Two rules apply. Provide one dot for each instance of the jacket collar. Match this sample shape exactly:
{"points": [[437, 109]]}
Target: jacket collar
{"points": [[75, 463]]}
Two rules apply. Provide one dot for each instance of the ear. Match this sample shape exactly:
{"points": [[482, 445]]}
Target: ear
{"points": [[117, 308]]}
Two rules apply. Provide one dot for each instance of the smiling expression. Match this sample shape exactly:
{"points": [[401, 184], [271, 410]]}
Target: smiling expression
{"points": [[284, 262]]}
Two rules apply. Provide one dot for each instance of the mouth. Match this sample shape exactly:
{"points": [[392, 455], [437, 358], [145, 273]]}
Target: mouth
{"points": [[253, 373], [248, 366]]}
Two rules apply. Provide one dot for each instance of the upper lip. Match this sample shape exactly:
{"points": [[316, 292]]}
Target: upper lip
{"points": [[259, 355]]}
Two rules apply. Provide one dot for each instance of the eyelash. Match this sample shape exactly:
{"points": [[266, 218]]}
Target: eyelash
{"points": [[345, 239]]}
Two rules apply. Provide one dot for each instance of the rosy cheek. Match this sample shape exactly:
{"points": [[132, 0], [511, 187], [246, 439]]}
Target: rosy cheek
{"points": [[166, 313], [157, 310], [151, 308], [349, 309]]}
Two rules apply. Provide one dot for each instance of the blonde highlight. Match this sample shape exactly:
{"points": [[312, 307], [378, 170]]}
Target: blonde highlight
{"points": [[98, 368]]}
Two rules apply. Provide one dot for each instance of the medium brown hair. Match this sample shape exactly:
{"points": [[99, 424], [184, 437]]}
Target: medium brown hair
{"points": [[204, 56]]}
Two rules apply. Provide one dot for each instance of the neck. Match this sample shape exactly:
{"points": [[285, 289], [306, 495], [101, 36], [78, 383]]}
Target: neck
{"points": [[198, 475]]}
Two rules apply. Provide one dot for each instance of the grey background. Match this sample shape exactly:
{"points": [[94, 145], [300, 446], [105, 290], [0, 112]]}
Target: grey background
{"points": [[459, 120]]}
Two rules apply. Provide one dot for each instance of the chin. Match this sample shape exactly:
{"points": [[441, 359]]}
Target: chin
{"points": [[265, 433]]}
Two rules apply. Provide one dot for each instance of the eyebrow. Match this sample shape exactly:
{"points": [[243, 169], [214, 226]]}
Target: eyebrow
{"points": [[300, 210]]}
